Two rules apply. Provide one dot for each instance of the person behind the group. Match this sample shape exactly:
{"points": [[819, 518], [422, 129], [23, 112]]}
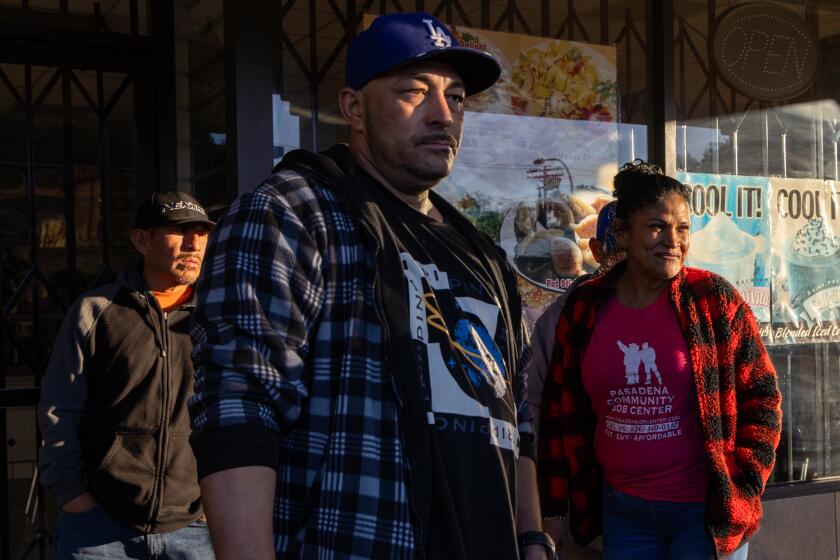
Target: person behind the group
{"points": [[671, 466], [606, 251], [358, 342], [113, 410]]}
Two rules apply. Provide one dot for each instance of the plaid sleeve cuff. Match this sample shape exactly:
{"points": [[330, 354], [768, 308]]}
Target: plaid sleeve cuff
{"points": [[237, 446]]}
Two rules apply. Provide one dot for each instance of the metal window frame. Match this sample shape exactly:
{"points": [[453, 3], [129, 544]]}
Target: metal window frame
{"points": [[245, 140], [147, 64]]}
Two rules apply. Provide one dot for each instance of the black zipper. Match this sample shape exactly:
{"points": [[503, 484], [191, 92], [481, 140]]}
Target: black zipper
{"points": [[163, 434]]}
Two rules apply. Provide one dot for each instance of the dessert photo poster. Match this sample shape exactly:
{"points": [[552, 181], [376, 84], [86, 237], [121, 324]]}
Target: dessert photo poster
{"points": [[730, 235], [806, 260]]}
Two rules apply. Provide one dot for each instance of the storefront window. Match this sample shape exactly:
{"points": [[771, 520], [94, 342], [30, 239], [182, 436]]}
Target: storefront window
{"points": [[548, 147], [539, 149], [202, 163], [757, 140], [68, 192]]}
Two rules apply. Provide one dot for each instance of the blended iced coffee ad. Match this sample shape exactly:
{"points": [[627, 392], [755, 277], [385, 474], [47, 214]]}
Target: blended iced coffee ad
{"points": [[806, 260], [730, 235]]}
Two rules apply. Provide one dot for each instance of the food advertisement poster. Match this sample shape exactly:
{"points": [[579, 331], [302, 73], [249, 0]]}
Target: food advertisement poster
{"points": [[806, 260], [537, 156], [535, 187], [730, 234], [546, 77]]}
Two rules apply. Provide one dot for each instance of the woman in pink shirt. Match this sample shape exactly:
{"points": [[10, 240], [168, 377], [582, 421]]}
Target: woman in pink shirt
{"points": [[661, 413]]}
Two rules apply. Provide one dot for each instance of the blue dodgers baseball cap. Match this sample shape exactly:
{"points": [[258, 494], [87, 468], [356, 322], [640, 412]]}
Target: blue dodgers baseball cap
{"points": [[399, 39], [604, 230]]}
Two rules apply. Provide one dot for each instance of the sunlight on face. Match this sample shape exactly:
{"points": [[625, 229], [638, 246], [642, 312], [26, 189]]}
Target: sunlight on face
{"points": [[413, 123], [176, 252], [657, 238]]}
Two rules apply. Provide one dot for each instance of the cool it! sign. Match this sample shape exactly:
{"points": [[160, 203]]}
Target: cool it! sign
{"points": [[765, 51], [730, 234]]}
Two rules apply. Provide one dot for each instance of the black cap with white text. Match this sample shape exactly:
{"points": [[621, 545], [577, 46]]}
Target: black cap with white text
{"points": [[170, 208]]}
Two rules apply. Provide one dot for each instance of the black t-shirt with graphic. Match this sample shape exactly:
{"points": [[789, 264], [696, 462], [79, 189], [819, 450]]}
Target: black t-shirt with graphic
{"points": [[459, 339]]}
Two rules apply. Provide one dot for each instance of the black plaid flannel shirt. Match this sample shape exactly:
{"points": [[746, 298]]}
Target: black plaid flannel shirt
{"points": [[284, 342]]}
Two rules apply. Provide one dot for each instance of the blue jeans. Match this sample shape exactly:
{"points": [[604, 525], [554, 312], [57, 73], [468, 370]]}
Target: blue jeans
{"points": [[636, 528], [94, 535]]}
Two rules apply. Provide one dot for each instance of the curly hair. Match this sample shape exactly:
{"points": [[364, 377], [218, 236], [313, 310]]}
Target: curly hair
{"points": [[640, 184]]}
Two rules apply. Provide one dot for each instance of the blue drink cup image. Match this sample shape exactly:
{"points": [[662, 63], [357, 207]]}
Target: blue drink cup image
{"points": [[813, 267], [723, 248]]}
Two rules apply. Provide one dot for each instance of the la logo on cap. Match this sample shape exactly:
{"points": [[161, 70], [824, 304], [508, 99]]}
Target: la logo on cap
{"points": [[436, 34]]}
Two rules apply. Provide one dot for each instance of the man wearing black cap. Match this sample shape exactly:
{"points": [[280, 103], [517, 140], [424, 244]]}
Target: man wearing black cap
{"points": [[113, 410], [358, 342]]}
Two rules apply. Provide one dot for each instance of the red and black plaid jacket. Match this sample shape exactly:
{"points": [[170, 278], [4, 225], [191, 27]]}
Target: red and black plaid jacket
{"points": [[737, 393]]}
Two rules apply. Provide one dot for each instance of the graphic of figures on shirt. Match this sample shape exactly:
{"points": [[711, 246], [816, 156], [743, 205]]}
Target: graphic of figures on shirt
{"points": [[633, 356]]}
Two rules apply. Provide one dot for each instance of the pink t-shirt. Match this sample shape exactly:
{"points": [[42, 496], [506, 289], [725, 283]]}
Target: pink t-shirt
{"points": [[637, 373]]}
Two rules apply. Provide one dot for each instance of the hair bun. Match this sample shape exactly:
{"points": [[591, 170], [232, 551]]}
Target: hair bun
{"points": [[629, 174], [640, 183], [639, 165]]}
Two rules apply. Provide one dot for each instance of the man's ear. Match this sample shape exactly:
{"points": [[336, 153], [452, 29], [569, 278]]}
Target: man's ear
{"points": [[350, 102], [597, 248], [620, 231], [140, 239]]}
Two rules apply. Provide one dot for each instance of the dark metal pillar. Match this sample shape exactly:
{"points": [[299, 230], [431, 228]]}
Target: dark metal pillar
{"points": [[661, 115], [148, 153], [713, 91], [249, 77], [164, 34], [69, 182]]}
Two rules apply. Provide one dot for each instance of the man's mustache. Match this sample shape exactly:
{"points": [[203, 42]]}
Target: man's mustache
{"points": [[439, 138]]}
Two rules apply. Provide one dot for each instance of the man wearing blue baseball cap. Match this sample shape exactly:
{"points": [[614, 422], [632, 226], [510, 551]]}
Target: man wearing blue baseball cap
{"points": [[358, 343]]}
